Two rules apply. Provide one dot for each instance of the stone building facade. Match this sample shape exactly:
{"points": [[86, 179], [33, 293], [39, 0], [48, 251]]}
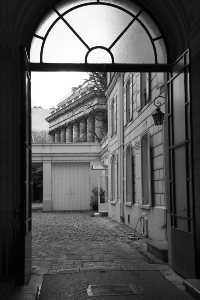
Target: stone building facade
{"points": [[81, 117], [135, 151]]}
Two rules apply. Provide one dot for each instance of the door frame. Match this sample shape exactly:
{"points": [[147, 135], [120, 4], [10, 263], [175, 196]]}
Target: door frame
{"points": [[56, 67], [187, 146], [25, 211]]}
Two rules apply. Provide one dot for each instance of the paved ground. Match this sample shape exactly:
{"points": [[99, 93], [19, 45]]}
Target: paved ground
{"points": [[72, 251]]}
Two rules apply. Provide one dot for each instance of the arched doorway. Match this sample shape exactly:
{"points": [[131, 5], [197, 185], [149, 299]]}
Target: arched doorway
{"points": [[111, 54]]}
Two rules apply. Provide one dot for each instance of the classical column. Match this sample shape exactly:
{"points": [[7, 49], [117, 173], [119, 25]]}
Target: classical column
{"points": [[83, 130], [69, 134], [47, 192], [99, 127], [52, 136], [90, 129], [63, 134], [57, 136], [76, 132]]}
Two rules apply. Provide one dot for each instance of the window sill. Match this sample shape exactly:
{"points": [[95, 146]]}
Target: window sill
{"points": [[114, 135], [113, 202], [142, 109], [128, 203], [129, 123], [145, 206]]}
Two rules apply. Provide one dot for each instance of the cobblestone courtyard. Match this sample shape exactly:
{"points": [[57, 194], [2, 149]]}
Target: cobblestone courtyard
{"points": [[72, 250], [66, 241]]}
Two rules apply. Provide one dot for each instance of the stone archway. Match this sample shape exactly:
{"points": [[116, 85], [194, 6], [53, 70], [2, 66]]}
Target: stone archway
{"points": [[174, 25], [110, 67]]}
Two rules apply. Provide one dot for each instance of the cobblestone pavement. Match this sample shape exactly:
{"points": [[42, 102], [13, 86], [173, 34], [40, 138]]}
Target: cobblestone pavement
{"points": [[66, 241], [69, 242]]}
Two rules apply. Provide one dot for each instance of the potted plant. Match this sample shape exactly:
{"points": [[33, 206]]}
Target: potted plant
{"points": [[94, 198]]}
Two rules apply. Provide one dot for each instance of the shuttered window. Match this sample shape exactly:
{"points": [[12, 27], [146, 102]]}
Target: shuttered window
{"points": [[131, 96], [112, 161], [148, 86], [113, 116], [114, 177], [138, 92], [128, 102], [138, 183], [129, 174], [159, 80], [143, 89], [124, 93], [146, 169]]}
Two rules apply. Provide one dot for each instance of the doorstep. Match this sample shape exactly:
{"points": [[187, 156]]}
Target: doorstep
{"points": [[158, 249], [29, 291], [192, 286]]}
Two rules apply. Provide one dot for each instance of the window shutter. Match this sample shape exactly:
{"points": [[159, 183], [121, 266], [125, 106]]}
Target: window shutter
{"points": [[115, 114], [124, 106], [149, 168], [148, 85], [159, 80], [146, 169], [131, 175], [138, 91], [112, 178], [110, 119], [116, 183], [138, 183], [124, 175], [131, 96], [129, 182]]}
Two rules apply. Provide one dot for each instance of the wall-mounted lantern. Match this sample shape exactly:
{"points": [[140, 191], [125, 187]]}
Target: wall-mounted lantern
{"points": [[158, 115]]}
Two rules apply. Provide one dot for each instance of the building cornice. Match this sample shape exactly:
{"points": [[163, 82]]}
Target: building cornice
{"points": [[70, 107], [66, 152]]}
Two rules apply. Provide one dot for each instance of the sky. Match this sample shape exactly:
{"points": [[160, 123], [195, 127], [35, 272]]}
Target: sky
{"points": [[47, 88]]}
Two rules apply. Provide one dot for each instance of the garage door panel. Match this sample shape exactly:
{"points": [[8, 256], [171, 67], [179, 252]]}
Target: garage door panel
{"points": [[70, 186]]}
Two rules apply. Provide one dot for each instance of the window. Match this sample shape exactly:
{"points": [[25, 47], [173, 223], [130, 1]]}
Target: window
{"points": [[146, 169], [128, 103], [138, 185], [113, 116], [124, 33], [112, 74], [129, 175], [108, 78], [114, 177], [143, 89]]}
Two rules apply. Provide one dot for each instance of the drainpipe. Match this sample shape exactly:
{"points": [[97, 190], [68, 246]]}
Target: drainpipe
{"points": [[121, 144]]}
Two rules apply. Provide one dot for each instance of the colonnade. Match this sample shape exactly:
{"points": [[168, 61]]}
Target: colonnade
{"points": [[86, 129]]}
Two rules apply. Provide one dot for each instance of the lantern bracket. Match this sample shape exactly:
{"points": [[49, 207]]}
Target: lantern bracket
{"points": [[158, 115], [158, 103]]}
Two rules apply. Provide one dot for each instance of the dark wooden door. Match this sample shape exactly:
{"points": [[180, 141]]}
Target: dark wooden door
{"points": [[26, 192], [180, 161]]}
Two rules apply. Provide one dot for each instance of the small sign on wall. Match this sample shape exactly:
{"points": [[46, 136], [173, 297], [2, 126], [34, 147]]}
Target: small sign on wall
{"points": [[99, 167]]}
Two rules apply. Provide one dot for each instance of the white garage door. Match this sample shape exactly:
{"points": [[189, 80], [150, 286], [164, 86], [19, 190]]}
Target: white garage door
{"points": [[70, 186]]}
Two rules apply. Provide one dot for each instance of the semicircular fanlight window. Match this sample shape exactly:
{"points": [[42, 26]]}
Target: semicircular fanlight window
{"points": [[98, 32]]}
